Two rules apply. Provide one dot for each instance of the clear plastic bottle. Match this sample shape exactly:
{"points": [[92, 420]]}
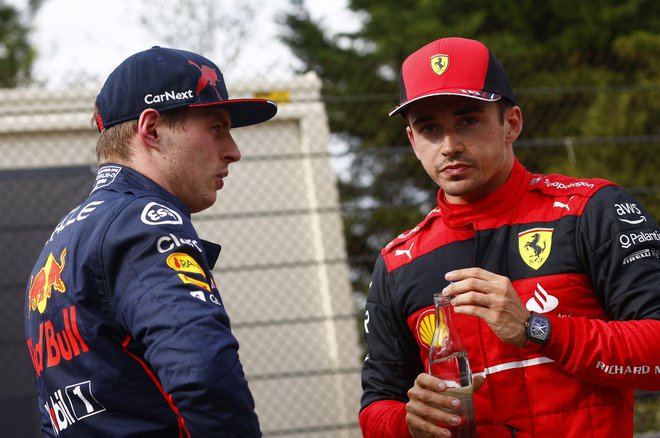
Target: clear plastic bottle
{"points": [[448, 361]]}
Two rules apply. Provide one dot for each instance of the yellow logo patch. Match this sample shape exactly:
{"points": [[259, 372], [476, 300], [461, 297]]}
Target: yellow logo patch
{"points": [[426, 327], [439, 64], [183, 262], [197, 283], [535, 245]]}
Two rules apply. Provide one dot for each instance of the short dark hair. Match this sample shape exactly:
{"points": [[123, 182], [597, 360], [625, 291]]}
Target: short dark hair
{"points": [[502, 106]]}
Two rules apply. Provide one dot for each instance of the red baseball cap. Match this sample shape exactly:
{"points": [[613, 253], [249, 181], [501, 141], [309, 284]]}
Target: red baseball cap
{"points": [[453, 66]]}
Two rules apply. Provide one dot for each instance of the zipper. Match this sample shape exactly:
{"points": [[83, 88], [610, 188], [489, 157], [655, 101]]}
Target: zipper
{"points": [[513, 431]]}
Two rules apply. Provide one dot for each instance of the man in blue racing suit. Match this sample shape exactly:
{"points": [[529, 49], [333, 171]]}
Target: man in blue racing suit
{"points": [[124, 324]]}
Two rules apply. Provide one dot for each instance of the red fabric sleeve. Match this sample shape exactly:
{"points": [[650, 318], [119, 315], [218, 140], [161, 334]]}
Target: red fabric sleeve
{"points": [[622, 354], [384, 419]]}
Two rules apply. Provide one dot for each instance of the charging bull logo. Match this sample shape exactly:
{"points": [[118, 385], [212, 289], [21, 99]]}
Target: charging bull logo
{"points": [[48, 278], [209, 77]]}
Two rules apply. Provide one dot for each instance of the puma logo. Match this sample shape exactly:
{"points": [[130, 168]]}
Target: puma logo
{"points": [[562, 205], [400, 252]]}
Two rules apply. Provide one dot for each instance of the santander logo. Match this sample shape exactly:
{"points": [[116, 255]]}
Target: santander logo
{"points": [[542, 302]]}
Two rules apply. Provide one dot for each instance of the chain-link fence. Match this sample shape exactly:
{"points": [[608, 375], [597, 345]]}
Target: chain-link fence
{"points": [[282, 272], [286, 270]]}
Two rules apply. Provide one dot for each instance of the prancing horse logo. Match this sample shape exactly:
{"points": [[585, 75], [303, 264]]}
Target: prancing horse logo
{"points": [[534, 246], [439, 64]]}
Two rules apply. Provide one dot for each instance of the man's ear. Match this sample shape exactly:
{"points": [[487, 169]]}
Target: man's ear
{"points": [[411, 139], [148, 128], [514, 123]]}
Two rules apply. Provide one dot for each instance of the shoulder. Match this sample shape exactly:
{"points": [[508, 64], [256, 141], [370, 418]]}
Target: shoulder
{"points": [[409, 244], [146, 217], [402, 239], [557, 185]]}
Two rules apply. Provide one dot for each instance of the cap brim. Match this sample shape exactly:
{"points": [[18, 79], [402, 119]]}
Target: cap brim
{"points": [[246, 112], [480, 95]]}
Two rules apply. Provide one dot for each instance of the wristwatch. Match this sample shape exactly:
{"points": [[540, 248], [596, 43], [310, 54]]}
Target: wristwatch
{"points": [[538, 328]]}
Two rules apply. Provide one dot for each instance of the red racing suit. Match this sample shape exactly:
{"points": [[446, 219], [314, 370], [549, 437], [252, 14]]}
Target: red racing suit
{"points": [[582, 252]]}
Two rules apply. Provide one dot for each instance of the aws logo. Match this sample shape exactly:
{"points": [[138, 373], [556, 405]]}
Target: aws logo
{"points": [[534, 246], [48, 278]]}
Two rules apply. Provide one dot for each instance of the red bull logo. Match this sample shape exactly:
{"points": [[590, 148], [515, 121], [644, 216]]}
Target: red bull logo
{"points": [[209, 78], [48, 278], [52, 346]]}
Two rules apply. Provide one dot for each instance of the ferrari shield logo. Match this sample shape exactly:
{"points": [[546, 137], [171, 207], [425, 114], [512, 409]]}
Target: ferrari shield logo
{"points": [[534, 246], [439, 64]]}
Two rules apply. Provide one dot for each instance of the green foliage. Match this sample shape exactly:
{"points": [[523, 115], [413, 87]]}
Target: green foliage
{"points": [[16, 53], [580, 70]]}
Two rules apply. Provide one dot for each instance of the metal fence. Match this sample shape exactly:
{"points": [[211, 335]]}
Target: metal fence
{"points": [[282, 272], [289, 323]]}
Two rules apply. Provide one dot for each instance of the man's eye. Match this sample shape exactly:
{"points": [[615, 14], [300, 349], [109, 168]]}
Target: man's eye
{"points": [[427, 129], [219, 129]]}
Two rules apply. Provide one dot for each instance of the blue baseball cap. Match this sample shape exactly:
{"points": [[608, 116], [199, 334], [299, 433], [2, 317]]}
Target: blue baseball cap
{"points": [[165, 79]]}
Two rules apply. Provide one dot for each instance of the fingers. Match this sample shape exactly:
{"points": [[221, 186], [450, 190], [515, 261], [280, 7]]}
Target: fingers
{"points": [[478, 382], [428, 408], [478, 287], [490, 297], [462, 274]]}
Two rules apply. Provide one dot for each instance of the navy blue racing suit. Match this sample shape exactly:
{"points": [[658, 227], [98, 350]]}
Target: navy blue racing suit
{"points": [[124, 324]]}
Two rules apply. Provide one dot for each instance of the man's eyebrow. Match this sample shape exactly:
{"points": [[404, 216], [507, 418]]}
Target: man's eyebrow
{"points": [[461, 111], [422, 119], [469, 110]]}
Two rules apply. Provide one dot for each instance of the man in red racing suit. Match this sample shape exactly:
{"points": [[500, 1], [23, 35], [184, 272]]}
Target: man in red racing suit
{"points": [[582, 253]]}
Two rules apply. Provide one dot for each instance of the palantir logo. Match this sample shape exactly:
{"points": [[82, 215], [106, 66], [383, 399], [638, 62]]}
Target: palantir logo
{"points": [[158, 214]]}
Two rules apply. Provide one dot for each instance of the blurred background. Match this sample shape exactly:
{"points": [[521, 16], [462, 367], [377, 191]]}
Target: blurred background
{"points": [[586, 74]]}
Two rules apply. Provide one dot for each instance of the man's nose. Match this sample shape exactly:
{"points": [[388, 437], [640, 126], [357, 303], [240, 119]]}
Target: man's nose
{"points": [[450, 144], [231, 152]]}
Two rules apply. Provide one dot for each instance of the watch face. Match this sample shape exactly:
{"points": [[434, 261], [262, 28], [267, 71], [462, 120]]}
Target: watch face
{"points": [[539, 328]]}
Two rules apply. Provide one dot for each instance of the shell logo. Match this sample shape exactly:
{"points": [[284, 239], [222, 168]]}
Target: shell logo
{"points": [[425, 327]]}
